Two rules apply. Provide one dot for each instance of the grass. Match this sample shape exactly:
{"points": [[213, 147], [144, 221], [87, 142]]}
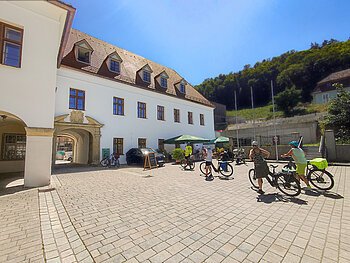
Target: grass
{"points": [[266, 112], [258, 113]]}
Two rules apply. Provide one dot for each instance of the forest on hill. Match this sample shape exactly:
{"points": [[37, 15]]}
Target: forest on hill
{"points": [[300, 70]]}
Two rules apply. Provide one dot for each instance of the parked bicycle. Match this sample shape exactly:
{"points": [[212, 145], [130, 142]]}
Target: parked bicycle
{"points": [[224, 167], [188, 163], [238, 156], [284, 181], [109, 161], [316, 173]]}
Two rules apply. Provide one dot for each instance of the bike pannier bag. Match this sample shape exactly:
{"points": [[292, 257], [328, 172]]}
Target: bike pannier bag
{"points": [[224, 166], [319, 163]]}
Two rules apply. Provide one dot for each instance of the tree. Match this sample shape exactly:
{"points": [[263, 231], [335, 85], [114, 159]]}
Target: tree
{"points": [[338, 117], [287, 100]]}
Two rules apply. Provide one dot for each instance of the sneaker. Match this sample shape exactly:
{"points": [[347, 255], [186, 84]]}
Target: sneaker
{"points": [[260, 191]]}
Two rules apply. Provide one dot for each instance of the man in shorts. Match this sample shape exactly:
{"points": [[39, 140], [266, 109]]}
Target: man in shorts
{"points": [[208, 162], [298, 156]]}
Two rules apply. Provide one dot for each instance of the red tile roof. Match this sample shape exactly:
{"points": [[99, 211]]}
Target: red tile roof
{"points": [[131, 64]]}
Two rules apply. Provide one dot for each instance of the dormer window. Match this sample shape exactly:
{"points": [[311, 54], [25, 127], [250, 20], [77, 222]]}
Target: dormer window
{"points": [[83, 52], [145, 73], [114, 66], [146, 76], [182, 88], [114, 62], [163, 82], [84, 55]]}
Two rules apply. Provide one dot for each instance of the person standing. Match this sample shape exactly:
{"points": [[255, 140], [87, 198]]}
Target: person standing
{"points": [[299, 158], [208, 162], [258, 155]]}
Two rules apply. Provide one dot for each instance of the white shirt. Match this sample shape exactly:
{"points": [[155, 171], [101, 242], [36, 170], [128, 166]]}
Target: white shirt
{"points": [[209, 156]]}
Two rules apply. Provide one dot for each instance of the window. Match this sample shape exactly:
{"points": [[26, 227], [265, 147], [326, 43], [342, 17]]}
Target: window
{"points": [[14, 147], [190, 117], [142, 142], [146, 76], [141, 110], [163, 82], [160, 113], [10, 45], [182, 88], [114, 66], [201, 119], [118, 106], [118, 145], [176, 115], [161, 145], [84, 55], [77, 99], [325, 98]]}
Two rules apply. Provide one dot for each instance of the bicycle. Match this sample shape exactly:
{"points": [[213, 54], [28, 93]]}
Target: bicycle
{"points": [[188, 163], [223, 167], [110, 161], [316, 173], [284, 181]]}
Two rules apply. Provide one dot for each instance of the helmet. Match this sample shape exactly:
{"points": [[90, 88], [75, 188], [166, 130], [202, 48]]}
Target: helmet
{"points": [[255, 143], [294, 143]]}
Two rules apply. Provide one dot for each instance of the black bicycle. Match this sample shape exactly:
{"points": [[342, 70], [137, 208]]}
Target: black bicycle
{"points": [[223, 167], [284, 181], [110, 161], [319, 178], [188, 163]]}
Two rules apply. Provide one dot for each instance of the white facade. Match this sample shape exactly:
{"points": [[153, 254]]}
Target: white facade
{"points": [[326, 96], [99, 93], [28, 92]]}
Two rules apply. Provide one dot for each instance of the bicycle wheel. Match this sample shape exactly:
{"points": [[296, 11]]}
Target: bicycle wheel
{"points": [[202, 167], [228, 172], [183, 163], [191, 165], [321, 179], [253, 180], [105, 162], [288, 185]]}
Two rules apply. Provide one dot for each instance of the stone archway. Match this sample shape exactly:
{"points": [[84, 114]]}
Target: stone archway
{"points": [[85, 130]]}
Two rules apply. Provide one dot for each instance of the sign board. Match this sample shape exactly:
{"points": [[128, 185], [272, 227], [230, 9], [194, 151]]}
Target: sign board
{"points": [[105, 152], [150, 161]]}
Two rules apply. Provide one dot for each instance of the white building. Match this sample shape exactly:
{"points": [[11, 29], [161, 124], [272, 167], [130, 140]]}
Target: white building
{"points": [[31, 43], [101, 97], [325, 91]]}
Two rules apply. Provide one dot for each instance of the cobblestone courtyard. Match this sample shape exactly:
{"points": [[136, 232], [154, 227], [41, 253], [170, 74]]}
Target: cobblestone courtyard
{"points": [[171, 215]]}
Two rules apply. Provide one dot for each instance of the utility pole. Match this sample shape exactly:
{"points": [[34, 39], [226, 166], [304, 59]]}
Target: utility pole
{"points": [[252, 99], [274, 120], [236, 120]]}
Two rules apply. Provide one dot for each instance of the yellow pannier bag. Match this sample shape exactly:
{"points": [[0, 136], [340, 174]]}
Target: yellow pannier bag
{"points": [[320, 163]]}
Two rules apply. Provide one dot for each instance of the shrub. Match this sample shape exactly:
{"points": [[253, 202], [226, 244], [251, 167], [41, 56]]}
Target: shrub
{"points": [[178, 154]]}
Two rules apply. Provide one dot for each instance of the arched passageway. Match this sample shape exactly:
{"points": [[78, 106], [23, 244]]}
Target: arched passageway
{"points": [[83, 133]]}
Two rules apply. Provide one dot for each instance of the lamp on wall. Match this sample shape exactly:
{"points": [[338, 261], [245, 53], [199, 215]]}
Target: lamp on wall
{"points": [[3, 117]]}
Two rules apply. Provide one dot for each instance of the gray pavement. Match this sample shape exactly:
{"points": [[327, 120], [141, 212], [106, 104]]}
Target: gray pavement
{"points": [[171, 215]]}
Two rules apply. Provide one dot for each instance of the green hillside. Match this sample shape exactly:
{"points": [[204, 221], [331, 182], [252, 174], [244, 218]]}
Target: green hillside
{"points": [[299, 69]]}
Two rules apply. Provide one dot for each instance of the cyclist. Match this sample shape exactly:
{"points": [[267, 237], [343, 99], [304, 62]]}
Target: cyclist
{"points": [[298, 156], [188, 152], [257, 155]]}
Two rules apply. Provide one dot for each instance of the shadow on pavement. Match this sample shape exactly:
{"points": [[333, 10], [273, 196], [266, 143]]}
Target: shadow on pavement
{"points": [[276, 197], [78, 168], [328, 194], [11, 183]]}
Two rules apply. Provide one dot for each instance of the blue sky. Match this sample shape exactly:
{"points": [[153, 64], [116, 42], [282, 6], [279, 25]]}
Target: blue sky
{"points": [[202, 38]]}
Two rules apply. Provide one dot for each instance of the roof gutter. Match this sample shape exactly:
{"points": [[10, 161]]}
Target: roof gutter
{"points": [[67, 26]]}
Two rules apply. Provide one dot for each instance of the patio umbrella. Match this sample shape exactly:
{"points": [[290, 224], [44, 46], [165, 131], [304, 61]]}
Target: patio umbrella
{"points": [[171, 140], [221, 139], [190, 138]]}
